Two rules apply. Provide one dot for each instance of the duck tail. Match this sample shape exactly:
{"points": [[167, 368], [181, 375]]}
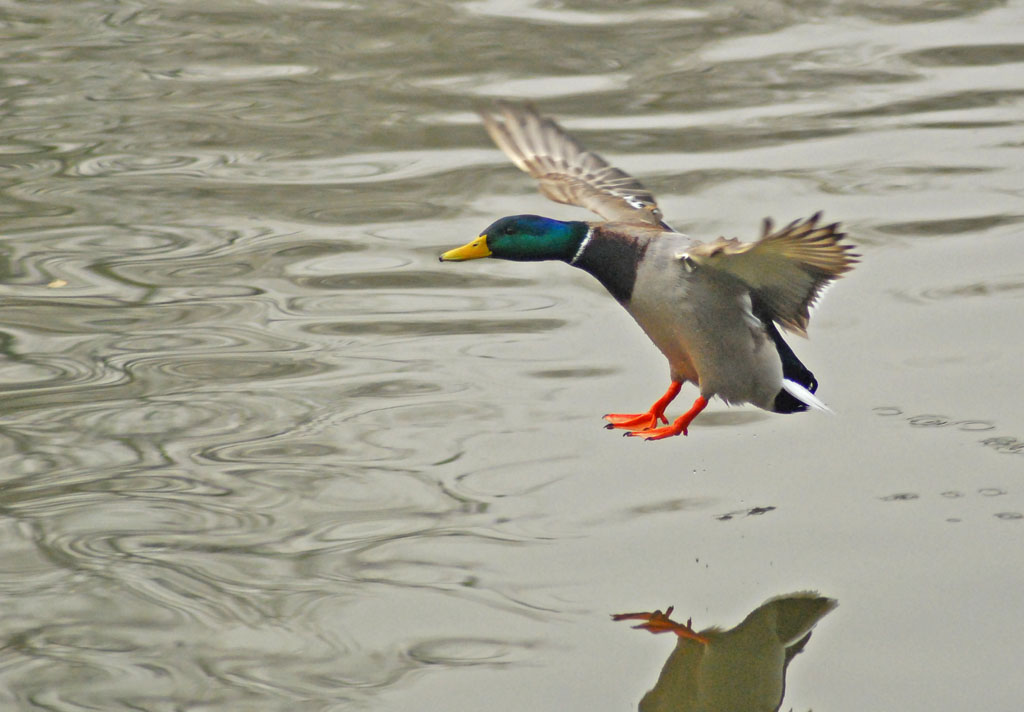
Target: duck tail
{"points": [[793, 372], [798, 383], [805, 398]]}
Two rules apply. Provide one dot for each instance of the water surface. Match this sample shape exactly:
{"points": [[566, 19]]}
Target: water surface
{"points": [[260, 450]]}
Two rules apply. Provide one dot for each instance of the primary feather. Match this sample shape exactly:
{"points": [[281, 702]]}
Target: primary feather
{"points": [[565, 171], [787, 268]]}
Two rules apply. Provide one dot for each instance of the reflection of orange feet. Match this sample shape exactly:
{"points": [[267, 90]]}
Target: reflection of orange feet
{"points": [[679, 427], [648, 420], [658, 622]]}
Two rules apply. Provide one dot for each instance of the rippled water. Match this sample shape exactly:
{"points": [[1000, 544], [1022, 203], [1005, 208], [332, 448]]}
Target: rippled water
{"points": [[261, 451]]}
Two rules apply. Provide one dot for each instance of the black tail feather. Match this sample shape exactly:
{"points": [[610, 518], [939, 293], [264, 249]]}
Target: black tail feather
{"points": [[792, 368]]}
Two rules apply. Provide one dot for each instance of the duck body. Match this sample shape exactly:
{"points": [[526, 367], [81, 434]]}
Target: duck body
{"points": [[702, 321], [712, 308]]}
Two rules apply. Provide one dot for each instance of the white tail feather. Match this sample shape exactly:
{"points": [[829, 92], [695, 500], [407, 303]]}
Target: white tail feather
{"points": [[805, 396]]}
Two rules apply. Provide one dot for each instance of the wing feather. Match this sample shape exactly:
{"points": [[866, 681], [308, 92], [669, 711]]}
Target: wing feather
{"points": [[786, 268], [567, 172]]}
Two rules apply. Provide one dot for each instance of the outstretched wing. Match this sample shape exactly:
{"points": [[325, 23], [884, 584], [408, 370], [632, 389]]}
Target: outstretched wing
{"points": [[568, 173], [787, 269]]}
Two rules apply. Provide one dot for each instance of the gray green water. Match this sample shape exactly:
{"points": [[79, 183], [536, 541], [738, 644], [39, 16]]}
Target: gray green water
{"points": [[259, 450]]}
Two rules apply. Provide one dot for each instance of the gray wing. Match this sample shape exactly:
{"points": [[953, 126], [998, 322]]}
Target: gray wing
{"points": [[568, 173], [787, 268]]}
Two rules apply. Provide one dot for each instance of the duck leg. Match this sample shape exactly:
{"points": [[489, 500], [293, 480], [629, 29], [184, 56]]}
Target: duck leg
{"points": [[677, 428], [648, 420], [658, 622]]}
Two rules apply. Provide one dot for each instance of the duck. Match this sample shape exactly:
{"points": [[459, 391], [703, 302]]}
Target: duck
{"points": [[714, 308], [742, 669]]}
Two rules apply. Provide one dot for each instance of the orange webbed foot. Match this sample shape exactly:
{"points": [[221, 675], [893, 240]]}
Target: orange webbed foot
{"points": [[658, 622], [645, 421], [633, 421], [679, 426], [669, 431]]}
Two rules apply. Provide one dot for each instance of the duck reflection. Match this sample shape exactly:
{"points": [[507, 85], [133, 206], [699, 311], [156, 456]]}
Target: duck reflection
{"points": [[738, 670]]}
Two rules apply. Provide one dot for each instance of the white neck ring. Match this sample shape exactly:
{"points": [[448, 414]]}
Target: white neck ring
{"points": [[583, 245]]}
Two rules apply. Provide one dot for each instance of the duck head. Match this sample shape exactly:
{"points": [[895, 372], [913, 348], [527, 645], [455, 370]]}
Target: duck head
{"points": [[523, 238]]}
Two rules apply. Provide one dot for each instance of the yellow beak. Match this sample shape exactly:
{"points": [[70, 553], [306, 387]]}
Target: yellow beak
{"points": [[473, 251]]}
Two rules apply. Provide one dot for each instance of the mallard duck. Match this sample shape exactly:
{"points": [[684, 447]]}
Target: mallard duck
{"points": [[710, 307], [741, 669]]}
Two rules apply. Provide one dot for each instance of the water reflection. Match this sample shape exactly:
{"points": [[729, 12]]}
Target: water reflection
{"points": [[742, 669]]}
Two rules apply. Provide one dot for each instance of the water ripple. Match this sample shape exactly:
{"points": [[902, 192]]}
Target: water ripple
{"points": [[236, 73], [542, 13], [271, 169], [1006, 287]]}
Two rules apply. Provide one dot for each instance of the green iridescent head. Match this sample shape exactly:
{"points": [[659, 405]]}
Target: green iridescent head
{"points": [[523, 238]]}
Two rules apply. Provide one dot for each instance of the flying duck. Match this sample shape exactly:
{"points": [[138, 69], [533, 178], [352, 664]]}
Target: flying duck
{"points": [[712, 308]]}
